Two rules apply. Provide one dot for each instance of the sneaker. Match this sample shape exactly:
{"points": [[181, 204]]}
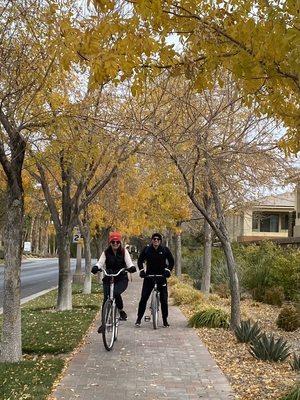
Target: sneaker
{"points": [[100, 329], [123, 315], [138, 322], [165, 323]]}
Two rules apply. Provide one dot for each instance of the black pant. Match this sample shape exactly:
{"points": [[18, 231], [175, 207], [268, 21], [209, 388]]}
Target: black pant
{"points": [[120, 287], [148, 285]]}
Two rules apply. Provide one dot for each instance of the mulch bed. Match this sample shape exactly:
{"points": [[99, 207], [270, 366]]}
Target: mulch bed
{"points": [[250, 378]]}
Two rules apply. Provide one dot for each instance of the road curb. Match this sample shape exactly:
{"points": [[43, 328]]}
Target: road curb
{"points": [[34, 296]]}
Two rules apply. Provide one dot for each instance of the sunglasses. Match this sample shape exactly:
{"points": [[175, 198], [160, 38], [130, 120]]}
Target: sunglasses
{"points": [[156, 238], [115, 242]]}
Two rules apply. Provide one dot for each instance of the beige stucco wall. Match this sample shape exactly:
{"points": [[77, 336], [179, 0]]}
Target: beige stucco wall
{"points": [[297, 206], [235, 225]]}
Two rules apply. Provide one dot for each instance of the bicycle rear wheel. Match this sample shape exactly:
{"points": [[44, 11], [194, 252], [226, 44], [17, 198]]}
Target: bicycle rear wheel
{"points": [[108, 324], [154, 309]]}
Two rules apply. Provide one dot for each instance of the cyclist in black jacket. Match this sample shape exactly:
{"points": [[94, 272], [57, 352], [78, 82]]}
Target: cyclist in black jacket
{"points": [[159, 261]]}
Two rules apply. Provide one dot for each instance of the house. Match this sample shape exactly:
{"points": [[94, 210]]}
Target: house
{"points": [[271, 217], [296, 232]]}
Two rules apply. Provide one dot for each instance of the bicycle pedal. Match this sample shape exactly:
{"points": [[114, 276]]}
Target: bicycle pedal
{"points": [[147, 318]]}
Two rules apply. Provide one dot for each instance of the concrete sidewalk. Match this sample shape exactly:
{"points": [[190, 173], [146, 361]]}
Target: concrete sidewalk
{"points": [[146, 364]]}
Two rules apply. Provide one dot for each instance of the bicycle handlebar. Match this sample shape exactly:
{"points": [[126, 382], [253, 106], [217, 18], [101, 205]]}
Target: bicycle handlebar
{"points": [[154, 276], [106, 274]]}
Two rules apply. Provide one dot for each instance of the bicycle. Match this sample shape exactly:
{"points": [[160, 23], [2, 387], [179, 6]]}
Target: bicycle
{"points": [[110, 315], [155, 296]]}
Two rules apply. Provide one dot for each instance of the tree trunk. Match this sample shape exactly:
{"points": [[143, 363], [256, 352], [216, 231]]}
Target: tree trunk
{"points": [[44, 238], [32, 222], [221, 231], [35, 235], [178, 256], [11, 345], [234, 285], [87, 285], [64, 298], [78, 275], [206, 273]]}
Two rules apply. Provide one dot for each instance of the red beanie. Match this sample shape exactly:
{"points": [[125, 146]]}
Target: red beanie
{"points": [[114, 236]]}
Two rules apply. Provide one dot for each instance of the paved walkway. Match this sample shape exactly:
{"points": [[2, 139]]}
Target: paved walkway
{"points": [[146, 364]]}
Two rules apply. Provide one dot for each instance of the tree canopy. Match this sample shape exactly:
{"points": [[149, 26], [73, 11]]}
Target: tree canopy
{"points": [[257, 41]]}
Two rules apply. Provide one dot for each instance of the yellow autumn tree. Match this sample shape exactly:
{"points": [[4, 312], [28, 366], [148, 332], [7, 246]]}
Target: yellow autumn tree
{"points": [[146, 195], [257, 41], [31, 74]]}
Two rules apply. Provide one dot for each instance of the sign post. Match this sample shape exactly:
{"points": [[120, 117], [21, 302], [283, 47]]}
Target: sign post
{"points": [[78, 276]]}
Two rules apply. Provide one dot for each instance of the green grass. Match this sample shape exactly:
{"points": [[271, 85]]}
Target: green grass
{"points": [[28, 379], [47, 334], [54, 332]]}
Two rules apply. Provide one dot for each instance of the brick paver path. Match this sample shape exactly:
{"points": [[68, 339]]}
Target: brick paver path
{"points": [[146, 364]]}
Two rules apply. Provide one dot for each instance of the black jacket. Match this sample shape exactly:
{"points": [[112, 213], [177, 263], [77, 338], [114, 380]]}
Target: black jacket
{"points": [[156, 260], [113, 264]]}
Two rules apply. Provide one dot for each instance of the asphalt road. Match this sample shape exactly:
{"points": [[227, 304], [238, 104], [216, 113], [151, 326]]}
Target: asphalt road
{"points": [[36, 276]]}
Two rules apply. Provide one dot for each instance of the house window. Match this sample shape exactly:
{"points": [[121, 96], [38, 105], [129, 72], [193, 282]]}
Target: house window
{"points": [[269, 223], [255, 221], [265, 222], [284, 220]]}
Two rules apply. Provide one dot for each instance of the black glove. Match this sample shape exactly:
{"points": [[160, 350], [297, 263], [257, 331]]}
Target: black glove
{"points": [[142, 274], [166, 273], [95, 269], [131, 269]]}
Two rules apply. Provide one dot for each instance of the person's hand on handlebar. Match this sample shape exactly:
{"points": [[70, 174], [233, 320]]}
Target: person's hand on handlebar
{"points": [[131, 269], [95, 269], [142, 274], [166, 273]]}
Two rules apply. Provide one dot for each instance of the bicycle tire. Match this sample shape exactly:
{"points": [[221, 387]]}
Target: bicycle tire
{"points": [[109, 325], [117, 319], [154, 309]]}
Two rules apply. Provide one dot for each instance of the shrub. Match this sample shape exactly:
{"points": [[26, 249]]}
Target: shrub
{"points": [[267, 265], [246, 332], [185, 294], [222, 290], [185, 278], [197, 284], [274, 296], [268, 348], [211, 318], [219, 272], [295, 363], [214, 298], [288, 319], [173, 280], [293, 395], [193, 265]]}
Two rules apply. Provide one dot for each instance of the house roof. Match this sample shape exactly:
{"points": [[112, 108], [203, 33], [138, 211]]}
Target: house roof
{"points": [[283, 201]]}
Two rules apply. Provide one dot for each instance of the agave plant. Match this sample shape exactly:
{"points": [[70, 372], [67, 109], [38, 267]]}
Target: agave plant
{"points": [[268, 348], [246, 332], [295, 363]]}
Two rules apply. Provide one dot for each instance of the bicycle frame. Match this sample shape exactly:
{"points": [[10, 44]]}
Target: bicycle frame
{"points": [[110, 307], [155, 300]]}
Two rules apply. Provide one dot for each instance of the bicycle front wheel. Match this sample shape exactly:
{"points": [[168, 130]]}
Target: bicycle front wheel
{"points": [[117, 321], [108, 324], [154, 309]]}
